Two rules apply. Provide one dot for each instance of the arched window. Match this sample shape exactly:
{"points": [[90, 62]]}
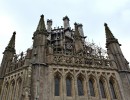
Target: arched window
{"points": [[57, 86], [18, 90], [68, 86], [5, 92], [102, 89], [80, 87], [112, 90], [12, 90], [91, 87]]}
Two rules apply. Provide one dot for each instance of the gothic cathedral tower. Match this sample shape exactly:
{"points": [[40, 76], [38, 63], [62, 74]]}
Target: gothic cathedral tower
{"points": [[62, 66]]}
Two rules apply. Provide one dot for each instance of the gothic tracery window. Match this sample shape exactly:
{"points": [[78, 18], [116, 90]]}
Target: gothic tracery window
{"points": [[68, 86], [12, 90], [102, 89], [18, 86], [112, 90], [57, 86], [91, 87], [80, 87], [5, 91]]}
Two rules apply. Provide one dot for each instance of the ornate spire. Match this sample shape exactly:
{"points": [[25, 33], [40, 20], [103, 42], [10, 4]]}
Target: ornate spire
{"points": [[109, 36], [41, 25], [11, 45]]}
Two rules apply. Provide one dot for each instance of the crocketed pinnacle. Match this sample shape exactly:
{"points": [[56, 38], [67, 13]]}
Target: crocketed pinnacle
{"points": [[11, 45], [41, 25], [109, 34]]}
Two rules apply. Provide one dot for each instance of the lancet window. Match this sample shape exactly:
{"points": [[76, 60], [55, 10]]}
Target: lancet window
{"points": [[91, 87], [57, 85], [102, 89], [112, 90], [80, 86], [68, 86]]}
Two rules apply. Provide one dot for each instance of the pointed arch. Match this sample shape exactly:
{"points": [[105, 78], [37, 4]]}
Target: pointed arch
{"points": [[69, 74], [92, 86], [102, 88], [112, 83], [57, 83], [11, 90], [80, 84], [69, 84], [81, 76], [102, 84], [5, 91], [18, 88], [57, 74]]}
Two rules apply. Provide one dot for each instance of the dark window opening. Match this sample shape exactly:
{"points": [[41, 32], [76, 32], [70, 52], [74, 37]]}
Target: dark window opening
{"points": [[68, 87], [80, 87], [113, 90], [91, 87], [102, 89], [57, 86]]}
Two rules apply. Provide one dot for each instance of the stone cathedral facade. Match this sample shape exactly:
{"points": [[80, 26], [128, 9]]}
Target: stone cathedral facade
{"points": [[61, 65]]}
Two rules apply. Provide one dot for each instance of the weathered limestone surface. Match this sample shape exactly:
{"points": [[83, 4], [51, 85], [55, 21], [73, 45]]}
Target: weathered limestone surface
{"points": [[61, 54]]}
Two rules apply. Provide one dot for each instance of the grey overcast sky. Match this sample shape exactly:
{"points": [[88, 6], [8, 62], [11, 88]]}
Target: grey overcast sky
{"points": [[23, 16]]}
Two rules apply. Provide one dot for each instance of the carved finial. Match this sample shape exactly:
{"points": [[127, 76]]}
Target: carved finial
{"points": [[41, 25], [14, 32], [42, 16], [11, 45], [105, 24]]}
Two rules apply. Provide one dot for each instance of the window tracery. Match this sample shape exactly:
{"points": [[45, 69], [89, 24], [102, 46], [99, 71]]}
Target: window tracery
{"points": [[80, 85], [102, 89], [91, 87], [68, 86], [113, 92], [57, 86]]}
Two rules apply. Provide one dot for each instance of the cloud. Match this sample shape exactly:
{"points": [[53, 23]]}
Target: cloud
{"points": [[23, 16]]}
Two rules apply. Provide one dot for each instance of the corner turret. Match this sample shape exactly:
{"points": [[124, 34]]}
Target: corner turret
{"points": [[39, 61], [115, 54], [7, 58], [114, 50], [8, 55]]}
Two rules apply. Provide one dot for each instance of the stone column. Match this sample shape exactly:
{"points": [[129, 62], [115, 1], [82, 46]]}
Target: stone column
{"points": [[98, 87], [75, 84]]}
